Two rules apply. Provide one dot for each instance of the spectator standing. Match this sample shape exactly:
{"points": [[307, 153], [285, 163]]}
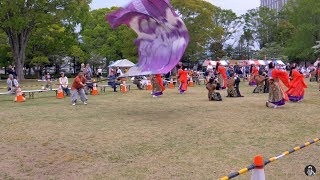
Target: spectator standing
{"points": [[99, 73], [119, 72], [49, 81]]}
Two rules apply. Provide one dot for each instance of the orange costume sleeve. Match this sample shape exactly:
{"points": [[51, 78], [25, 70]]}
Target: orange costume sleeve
{"points": [[183, 76], [284, 77], [297, 78], [223, 72], [255, 71], [159, 79]]}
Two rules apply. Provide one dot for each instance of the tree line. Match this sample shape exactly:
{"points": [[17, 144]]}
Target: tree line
{"points": [[36, 34]]}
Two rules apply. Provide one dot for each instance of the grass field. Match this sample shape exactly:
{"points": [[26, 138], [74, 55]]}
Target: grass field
{"points": [[135, 136]]}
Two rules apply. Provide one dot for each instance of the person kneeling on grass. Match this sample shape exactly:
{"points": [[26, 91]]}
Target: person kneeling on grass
{"points": [[78, 88], [211, 87], [233, 86]]}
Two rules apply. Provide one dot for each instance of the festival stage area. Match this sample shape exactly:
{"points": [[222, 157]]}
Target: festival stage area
{"points": [[136, 136]]}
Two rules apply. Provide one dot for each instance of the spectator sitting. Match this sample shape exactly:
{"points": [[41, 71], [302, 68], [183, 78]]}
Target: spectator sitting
{"points": [[89, 84], [12, 84], [63, 81]]}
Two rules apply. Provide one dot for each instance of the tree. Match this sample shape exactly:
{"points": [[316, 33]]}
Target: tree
{"points": [[271, 51], [262, 24], [5, 55], [303, 15], [19, 18], [230, 23], [54, 42], [100, 40], [217, 50], [317, 48], [198, 15]]}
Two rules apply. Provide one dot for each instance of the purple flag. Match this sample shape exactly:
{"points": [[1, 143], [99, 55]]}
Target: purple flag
{"points": [[162, 35]]}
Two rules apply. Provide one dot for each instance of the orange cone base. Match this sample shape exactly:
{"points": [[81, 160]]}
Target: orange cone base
{"points": [[123, 89], [60, 95], [20, 99], [94, 92]]}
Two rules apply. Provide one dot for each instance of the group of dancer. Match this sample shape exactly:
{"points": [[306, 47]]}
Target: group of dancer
{"points": [[271, 81], [294, 81], [265, 82]]}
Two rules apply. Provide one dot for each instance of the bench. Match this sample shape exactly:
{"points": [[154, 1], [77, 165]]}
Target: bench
{"points": [[32, 92], [6, 93], [103, 87]]}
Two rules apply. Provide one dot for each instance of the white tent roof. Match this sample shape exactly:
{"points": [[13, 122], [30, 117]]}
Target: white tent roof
{"points": [[213, 63], [122, 63]]}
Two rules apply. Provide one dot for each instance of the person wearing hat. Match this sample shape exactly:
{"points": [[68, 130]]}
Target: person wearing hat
{"points": [[63, 82]]}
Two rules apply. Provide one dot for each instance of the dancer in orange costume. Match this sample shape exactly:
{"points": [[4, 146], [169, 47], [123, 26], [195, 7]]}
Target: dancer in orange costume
{"points": [[157, 85], [277, 95], [183, 78], [222, 75], [297, 85]]}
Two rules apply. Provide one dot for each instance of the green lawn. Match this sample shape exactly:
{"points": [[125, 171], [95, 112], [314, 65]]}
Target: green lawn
{"points": [[135, 136]]}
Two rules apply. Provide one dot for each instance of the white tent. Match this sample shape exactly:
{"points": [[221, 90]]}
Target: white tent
{"points": [[122, 63]]}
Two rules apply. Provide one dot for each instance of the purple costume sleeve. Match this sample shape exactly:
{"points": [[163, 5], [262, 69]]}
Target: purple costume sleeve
{"points": [[162, 35]]}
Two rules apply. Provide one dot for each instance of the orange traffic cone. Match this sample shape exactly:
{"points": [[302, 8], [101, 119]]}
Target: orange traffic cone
{"points": [[149, 86], [258, 172], [94, 90], [19, 97], [191, 82], [60, 93], [171, 85], [123, 87]]}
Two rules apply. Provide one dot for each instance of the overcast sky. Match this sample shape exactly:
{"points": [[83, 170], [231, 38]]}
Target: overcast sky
{"points": [[238, 6]]}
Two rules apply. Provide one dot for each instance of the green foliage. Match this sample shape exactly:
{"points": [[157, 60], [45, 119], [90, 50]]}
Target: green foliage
{"points": [[229, 22], [303, 15], [20, 18], [5, 51], [262, 24], [99, 39], [271, 51], [317, 48], [198, 16], [40, 61], [76, 51], [217, 51]]}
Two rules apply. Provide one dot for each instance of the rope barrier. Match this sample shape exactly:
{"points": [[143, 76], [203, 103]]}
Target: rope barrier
{"points": [[270, 160]]}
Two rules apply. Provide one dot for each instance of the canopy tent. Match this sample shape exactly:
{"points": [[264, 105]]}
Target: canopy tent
{"points": [[214, 63], [261, 62], [242, 62], [278, 62], [122, 63]]}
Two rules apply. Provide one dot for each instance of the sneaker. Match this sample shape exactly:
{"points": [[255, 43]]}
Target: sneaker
{"points": [[154, 96], [73, 104], [85, 103], [275, 106]]}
